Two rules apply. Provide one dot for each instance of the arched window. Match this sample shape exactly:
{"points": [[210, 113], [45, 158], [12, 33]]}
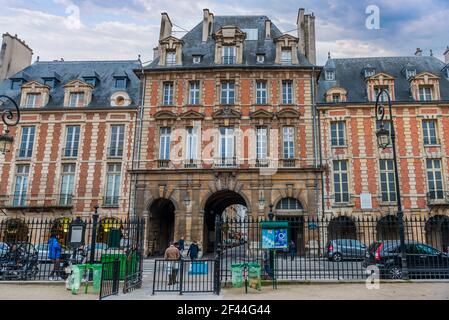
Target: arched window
{"points": [[14, 230], [110, 232], [289, 204]]}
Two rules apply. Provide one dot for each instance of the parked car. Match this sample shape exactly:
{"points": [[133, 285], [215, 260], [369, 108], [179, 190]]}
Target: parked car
{"points": [[4, 249], [42, 249], [345, 249], [423, 261]]}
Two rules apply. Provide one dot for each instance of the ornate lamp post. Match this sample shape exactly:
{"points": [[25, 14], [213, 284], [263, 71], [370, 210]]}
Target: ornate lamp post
{"points": [[9, 120], [383, 141]]}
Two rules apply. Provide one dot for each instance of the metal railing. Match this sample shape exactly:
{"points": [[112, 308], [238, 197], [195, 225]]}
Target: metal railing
{"points": [[38, 201], [225, 162], [435, 198], [191, 163], [110, 279], [341, 248], [164, 164], [288, 163], [262, 163]]}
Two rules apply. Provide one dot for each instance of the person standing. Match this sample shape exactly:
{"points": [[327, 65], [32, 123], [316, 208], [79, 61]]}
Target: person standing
{"points": [[181, 244], [172, 255], [54, 254], [292, 248], [193, 251]]}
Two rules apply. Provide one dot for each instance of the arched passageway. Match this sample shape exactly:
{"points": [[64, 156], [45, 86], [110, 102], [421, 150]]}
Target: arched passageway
{"points": [[162, 225], [341, 228], [291, 210], [437, 232], [388, 228]]}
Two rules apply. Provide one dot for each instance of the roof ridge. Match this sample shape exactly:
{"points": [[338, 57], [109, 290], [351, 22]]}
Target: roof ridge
{"points": [[84, 61]]}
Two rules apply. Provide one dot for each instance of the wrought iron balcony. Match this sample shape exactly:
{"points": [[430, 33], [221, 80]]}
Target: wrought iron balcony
{"points": [[438, 198], [262, 163], [225, 162], [191, 163], [164, 164], [37, 202], [115, 152], [288, 163]]}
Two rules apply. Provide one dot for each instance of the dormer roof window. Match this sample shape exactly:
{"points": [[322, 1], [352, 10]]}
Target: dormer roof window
{"points": [[120, 83], [91, 81], [229, 54], [369, 72], [286, 55], [196, 59], [251, 34], [170, 58], [16, 84], [330, 75], [260, 58], [51, 82], [410, 73]]}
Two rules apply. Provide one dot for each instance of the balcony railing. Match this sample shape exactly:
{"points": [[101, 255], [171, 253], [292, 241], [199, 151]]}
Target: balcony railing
{"points": [[437, 198], [69, 153], [115, 152], [111, 201], [163, 164], [34, 202], [288, 163], [262, 163], [225, 162], [191, 163]]}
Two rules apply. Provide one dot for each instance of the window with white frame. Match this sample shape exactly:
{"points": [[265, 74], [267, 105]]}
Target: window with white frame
{"points": [[227, 92], [369, 73], [113, 179], [289, 204], [21, 185], [262, 143], [117, 140], [260, 58], [330, 75], [336, 97], [430, 132], [170, 58], [194, 92], [384, 96], [76, 100], [72, 141], [229, 53], [288, 135], [338, 136], [425, 93], [287, 92], [261, 92], [196, 59], [192, 143], [410, 73], [164, 143], [227, 145], [341, 190], [286, 56], [27, 142], [67, 184], [387, 180], [34, 100], [434, 178], [168, 93]]}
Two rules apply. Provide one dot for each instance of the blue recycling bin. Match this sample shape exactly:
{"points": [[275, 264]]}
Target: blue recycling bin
{"points": [[198, 267]]}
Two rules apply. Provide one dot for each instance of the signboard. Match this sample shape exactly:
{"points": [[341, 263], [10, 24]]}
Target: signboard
{"points": [[77, 232], [365, 201], [274, 235]]}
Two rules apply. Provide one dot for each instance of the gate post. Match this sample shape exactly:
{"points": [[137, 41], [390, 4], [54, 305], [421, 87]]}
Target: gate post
{"points": [[217, 271]]}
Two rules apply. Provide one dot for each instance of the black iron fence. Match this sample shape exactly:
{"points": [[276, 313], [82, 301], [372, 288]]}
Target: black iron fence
{"points": [[338, 248], [25, 253], [110, 279], [185, 276]]}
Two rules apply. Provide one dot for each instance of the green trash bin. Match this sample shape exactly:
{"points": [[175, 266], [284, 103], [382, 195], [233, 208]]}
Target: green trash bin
{"points": [[254, 276], [237, 275], [97, 270], [76, 277]]}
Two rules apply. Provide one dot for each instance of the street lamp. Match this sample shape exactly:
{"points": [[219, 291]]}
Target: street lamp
{"points": [[271, 214], [187, 200], [6, 141], [384, 137]]}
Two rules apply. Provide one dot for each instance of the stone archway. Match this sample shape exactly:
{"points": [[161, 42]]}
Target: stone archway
{"points": [[341, 228], [291, 209], [388, 228], [437, 232], [161, 225], [215, 205]]}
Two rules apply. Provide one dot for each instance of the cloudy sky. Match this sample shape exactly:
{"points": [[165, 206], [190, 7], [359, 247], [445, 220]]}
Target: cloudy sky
{"points": [[113, 29]]}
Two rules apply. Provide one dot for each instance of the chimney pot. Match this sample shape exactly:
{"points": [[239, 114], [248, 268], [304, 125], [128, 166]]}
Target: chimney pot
{"points": [[267, 29], [418, 52]]}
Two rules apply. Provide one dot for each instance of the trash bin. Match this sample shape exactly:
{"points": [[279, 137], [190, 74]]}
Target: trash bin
{"points": [[97, 271], [198, 267], [237, 275], [254, 276], [75, 278]]}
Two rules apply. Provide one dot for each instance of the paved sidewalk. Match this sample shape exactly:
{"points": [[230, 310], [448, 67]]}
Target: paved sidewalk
{"points": [[41, 292]]}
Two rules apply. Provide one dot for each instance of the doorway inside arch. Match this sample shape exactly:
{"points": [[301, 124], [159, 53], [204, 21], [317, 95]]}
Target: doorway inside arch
{"points": [[162, 226], [231, 207], [437, 232]]}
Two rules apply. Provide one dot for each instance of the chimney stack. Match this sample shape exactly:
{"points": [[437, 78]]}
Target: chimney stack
{"points": [[306, 35], [267, 29], [208, 24], [446, 55], [166, 26], [155, 53], [418, 52], [15, 55]]}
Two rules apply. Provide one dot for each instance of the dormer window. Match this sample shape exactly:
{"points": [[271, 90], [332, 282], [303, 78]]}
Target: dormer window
{"points": [[286, 56], [16, 84], [336, 98], [120, 83], [34, 100], [384, 96], [229, 54], [260, 58], [369, 73], [330, 75], [170, 58], [410, 73], [50, 83], [91, 81], [76, 100], [196, 59], [425, 93]]}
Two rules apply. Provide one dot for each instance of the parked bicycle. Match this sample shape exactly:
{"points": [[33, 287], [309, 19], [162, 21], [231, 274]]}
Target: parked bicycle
{"points": [[20, 263]]}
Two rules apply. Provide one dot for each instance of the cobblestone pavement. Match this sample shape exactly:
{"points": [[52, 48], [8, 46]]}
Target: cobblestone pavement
{"points": [[41, 292]]}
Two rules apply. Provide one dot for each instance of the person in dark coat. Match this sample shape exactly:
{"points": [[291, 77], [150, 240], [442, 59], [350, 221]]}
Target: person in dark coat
{"points": [[292, 248], [181, 244], [193, 251]]}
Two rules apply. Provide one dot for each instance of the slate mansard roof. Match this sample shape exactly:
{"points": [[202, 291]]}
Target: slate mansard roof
{"points": [[67, 71], [193, 45], [349, 74]]}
